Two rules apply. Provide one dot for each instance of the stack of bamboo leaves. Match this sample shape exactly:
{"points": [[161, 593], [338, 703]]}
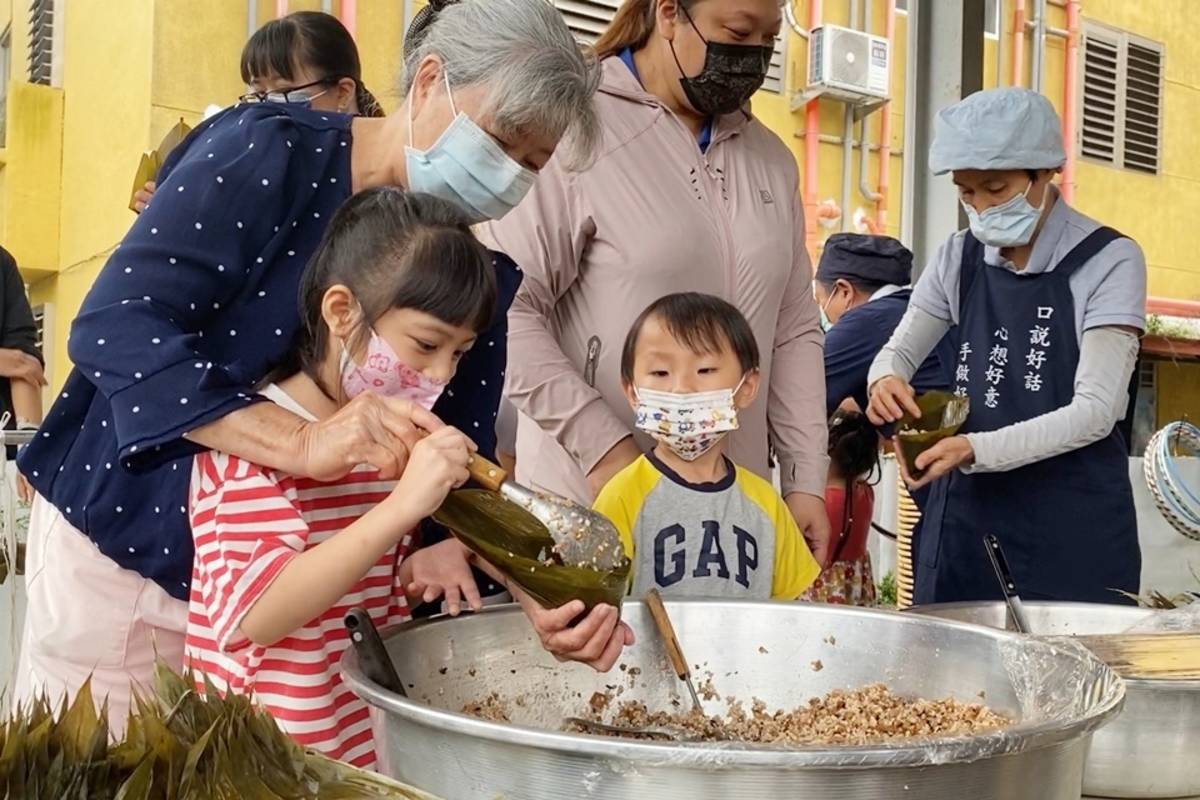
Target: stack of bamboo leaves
{"points": [[182, 744]]}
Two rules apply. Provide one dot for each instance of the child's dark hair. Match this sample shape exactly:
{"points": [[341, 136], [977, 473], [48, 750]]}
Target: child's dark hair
{"points": [[308, 39], [395, 249], [853, 454], [853, 445], [701, 322]]}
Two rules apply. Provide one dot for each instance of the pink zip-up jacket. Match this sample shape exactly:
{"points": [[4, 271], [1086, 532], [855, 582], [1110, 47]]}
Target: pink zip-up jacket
{"points": [[651, 216]]}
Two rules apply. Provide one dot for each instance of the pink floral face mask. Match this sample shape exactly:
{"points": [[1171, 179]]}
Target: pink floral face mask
{"points": [[383, 373]]}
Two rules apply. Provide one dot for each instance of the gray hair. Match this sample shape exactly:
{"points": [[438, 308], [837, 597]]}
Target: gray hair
{"points": [[539, 77]]}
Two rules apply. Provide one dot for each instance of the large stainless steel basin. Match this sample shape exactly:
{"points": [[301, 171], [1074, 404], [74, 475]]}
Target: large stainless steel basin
{"points": [[753, 650], [1150, 749]]}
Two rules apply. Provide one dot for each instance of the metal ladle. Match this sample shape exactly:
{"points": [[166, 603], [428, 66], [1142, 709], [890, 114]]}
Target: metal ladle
{"points": [[1007, 585], [606, 729], [582, 537], [662, 621]]}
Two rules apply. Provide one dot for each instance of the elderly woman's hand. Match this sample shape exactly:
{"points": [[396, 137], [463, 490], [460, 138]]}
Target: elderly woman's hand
{"points": [[597, 640], [370, 429]]}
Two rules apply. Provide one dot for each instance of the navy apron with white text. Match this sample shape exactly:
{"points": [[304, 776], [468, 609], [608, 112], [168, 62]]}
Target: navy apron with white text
{"points": [[1067, 524]]}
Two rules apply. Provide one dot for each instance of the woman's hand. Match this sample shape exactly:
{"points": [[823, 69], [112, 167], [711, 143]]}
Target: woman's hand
{"points": [[597, 640], [141, 198], [24, 490], [437, 464], [370, 429], [945, 456], [890, 399], [19, 365], [441, 570], [813, 521]]}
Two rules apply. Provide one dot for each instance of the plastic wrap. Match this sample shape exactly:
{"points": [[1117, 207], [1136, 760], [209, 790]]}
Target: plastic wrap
{"points": [[1057, 681], [1185, 619]]}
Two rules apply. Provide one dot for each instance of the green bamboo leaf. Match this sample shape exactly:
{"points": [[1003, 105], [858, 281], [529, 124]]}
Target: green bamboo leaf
{"points": [[194, 755], [137, 787], [77, 727]]}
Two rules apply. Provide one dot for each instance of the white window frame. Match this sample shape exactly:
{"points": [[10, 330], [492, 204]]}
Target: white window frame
{"points": [[1121, 40], [58, 42], [5, 71], [781, 47], [903, 10], [998, 11]]}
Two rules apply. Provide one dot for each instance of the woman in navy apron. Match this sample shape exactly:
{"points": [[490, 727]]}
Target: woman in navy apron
{"points": [[1045, 306]]}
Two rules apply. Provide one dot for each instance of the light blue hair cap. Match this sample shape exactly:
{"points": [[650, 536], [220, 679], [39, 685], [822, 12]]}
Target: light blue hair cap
{"points": [[1010, 128]]}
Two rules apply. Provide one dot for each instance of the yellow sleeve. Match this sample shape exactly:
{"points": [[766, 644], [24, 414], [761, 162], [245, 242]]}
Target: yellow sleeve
{"points": [[622, 497], [795, 567]]}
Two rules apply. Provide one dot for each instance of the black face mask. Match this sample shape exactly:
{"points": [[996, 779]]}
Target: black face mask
{"points": [[732, 74]]}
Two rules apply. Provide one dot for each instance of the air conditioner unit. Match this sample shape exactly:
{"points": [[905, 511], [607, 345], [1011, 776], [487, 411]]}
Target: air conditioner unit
{"points": [[847, 64]]}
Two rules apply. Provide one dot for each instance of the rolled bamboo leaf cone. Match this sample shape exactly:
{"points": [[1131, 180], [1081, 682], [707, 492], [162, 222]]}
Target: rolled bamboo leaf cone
{"points": [[942, 414]]}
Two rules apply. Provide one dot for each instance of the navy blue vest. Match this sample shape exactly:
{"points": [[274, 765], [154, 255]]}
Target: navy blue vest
{"points": [[1067, 523]]}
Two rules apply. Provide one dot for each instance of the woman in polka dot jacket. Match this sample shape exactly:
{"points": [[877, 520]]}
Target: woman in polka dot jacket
{"points": [[197, 304]]}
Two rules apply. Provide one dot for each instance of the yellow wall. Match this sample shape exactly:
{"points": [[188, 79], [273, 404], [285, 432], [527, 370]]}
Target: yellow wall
{"points": [[1177, 385], [773, 110], [105, 127], [380, 37], [32, 179], [1157, 210]]}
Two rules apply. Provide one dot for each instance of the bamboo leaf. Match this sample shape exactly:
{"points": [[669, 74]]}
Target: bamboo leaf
{"points": [[137, 787]]}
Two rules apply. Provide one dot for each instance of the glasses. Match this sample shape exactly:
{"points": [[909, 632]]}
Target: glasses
{"points": [[294, 96]]}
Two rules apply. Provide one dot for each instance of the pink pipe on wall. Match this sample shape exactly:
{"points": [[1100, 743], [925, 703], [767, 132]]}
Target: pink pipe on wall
{"points": [[349, 15], [885, 129], [812, 142], [281, 8], [1018, 44]]}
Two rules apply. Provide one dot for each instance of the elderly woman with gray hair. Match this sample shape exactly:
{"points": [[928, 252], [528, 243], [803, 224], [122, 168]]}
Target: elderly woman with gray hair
{"points": [[198, 304]]}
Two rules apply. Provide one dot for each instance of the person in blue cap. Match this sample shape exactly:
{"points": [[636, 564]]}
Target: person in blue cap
{"points": [[1047, 306], [863, 288]]}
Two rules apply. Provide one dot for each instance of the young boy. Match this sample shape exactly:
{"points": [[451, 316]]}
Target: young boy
{"points": [[693, 522]]}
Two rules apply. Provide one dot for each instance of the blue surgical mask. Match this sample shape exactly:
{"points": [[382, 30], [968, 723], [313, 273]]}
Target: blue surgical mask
{"points": [[826, 323], [467, 167], [1010, 224]]}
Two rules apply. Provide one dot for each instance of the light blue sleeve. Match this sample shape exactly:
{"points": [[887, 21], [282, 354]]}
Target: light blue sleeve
{"points": [[936, 292], [1115, 287]]}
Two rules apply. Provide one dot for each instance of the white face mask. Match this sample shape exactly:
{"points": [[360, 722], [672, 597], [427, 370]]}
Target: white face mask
{"points": [[689, 424], [1010, 224]]}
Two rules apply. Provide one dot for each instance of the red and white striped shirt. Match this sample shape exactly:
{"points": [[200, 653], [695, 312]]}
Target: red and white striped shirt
{"points": [[248, 522]]}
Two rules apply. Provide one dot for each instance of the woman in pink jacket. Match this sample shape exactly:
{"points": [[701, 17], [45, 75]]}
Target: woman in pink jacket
{"points": [[688, 191]]}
